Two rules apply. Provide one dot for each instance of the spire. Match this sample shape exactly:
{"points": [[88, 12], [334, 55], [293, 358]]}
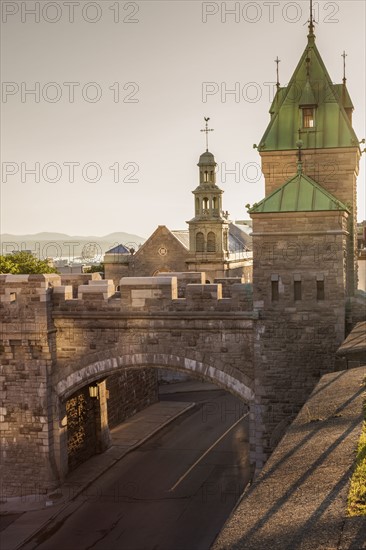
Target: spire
{"points": [[299, 145], [311, 35], [207, 130], [344, 55], [277, 61]]}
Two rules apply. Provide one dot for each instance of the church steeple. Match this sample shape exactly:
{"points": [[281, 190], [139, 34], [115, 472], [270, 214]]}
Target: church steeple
{"points": [[208, 229], [207, 196]]}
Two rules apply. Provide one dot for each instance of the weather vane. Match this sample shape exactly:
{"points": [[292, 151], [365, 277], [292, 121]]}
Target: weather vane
{"points": [[278, 61], [207, 130], [344, 55]]}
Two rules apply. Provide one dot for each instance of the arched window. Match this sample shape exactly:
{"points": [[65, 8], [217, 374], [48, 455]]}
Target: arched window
{"points": [[214, 203], [211, 242], [205, 176], [200, 242], [205, 203]]}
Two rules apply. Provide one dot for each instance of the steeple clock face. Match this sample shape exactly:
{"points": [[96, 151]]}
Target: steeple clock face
{"points": [[163, 251]]}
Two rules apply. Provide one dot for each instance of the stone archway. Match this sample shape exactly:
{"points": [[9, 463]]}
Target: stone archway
{"points": [[104, 367], [98, 371]]}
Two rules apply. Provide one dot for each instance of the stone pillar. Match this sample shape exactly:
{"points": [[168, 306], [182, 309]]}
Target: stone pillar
{"points": [[101, 413], [27, 349]]}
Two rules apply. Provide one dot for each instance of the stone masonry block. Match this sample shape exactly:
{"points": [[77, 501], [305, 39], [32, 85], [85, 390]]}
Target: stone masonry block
{"points": [[63, 292], [204, 292]]}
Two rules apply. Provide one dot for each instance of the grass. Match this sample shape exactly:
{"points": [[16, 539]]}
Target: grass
{"points": [[357, 492]]}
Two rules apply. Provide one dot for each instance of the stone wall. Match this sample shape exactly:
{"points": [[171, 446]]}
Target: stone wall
{"points": [[27, 352], [297, 334], [115, 271], [130, 391], [334, 169]]}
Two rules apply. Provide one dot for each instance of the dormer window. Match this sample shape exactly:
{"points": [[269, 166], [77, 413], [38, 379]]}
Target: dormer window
{"points": [[308, 117]]}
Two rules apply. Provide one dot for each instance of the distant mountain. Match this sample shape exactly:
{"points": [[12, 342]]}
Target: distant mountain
{"points": [[61, 245]]}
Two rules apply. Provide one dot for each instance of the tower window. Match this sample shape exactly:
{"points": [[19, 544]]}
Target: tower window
{"points": [[200, 242], [308, 117], [320, 292], [297, 290], [205, 176], [274, 288], [205, 203], [211, 242], [297, 287]]}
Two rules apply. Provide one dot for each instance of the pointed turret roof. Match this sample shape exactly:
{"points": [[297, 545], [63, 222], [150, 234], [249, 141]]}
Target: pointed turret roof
{"points": [[298, 194], [310, 85]]}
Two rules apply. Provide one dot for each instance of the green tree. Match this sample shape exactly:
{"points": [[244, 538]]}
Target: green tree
{"points": [[24, 263], [97, 268]]}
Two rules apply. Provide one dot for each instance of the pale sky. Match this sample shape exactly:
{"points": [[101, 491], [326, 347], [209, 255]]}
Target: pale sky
{"points": [[157, 55]]}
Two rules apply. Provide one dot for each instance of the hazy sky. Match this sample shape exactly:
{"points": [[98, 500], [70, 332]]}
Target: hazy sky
{"points": [[120, 84]]}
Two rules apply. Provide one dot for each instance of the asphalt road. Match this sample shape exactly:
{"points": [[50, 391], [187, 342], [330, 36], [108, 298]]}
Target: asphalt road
{"points": [[173, 493]]}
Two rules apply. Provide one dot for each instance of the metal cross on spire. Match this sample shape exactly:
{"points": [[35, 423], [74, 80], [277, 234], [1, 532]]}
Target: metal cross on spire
{"points": [[207, 130], [278, 61], [344, 55]]}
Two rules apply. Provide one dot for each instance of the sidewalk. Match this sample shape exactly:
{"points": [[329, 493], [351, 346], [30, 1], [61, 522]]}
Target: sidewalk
{"points": [[22, 517], [299, 500]]}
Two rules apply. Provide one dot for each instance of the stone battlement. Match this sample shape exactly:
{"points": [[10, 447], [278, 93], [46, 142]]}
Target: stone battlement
{"points": [[165, 293]]}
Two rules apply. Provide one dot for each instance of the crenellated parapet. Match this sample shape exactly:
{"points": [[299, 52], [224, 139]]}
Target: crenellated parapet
{"points": [[25, 304], [151, 294], [26, 296]]}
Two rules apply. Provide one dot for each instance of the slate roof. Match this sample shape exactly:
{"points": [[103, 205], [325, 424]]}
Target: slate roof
{"points": [[239, 240], [119, 249], [183, 237]]}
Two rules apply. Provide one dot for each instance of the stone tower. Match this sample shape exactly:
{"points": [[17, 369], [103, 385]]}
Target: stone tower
{"points": [[318, 114], [303, 238], [209, 228]]}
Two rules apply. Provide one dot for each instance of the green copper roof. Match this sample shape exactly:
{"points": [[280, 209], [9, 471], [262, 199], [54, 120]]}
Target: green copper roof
{"points": [[310, 85], [343, 94], [299, 194], [307, 96]]}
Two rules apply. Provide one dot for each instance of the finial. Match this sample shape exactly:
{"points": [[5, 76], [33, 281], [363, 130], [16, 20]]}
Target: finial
{"points": [[278, 76], [311, 21], [307, 60], [299, 145], [344, 55], [207, 130]]}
